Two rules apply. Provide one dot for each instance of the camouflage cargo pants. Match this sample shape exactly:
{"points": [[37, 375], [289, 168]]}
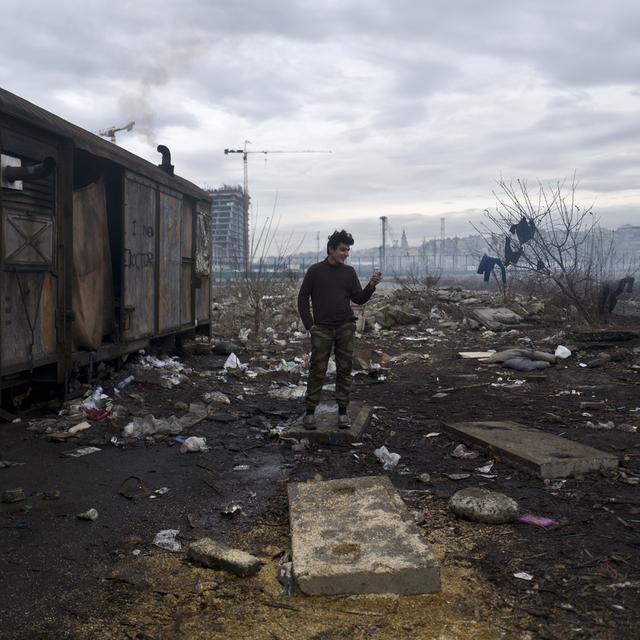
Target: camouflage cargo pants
{"points": [[323, 341]]}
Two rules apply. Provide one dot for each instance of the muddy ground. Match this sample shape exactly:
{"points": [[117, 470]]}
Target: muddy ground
{"points": [[65, 578]]}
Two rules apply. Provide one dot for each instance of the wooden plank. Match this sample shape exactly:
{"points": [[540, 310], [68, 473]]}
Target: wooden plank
{"points": [[186, 309], [139, 257], [186, 233], [543, 454], [202, 301], [169, 261]]}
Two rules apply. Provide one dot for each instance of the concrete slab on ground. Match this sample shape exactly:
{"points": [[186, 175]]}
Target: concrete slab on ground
{"points": [[356, 536], [327, 431], [543, 454], [496, 319]]}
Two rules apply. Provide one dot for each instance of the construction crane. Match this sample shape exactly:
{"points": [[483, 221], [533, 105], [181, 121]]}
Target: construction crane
{"points": [[110, 132], [245, 152]]}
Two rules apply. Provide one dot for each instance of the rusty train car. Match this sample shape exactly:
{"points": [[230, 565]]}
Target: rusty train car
{"points": [[100, 251]]}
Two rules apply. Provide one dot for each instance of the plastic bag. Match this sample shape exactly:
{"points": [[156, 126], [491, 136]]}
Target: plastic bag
{"points": [[389, 460], [193, 445]]}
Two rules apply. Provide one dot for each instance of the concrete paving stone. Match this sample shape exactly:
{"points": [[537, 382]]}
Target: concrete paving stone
{"points": [[327, 431], [356, 536], [543, 454], [215, 555]]}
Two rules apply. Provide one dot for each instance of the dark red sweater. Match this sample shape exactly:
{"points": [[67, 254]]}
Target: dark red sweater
{"points": [[331, 289]]}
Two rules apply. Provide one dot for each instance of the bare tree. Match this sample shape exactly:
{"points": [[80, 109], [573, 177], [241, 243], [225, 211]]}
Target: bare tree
{"points": [[567, 249], [268, 276]]}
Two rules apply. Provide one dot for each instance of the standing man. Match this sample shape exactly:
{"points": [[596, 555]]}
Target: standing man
{"points": [[332, 285]]}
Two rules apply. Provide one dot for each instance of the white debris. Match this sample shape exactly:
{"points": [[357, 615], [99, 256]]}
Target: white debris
{"points": [[522, 575], [194, 444], [233, 362], [389, 460], [562, 352], [166, 539]]}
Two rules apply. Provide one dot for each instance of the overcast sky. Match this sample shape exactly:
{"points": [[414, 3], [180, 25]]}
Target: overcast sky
{"points": [[424, 104]]}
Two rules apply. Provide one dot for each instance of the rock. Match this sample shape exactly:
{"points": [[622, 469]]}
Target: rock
{"points": [[216, 397], [214, 555], [425, 478], [12, 495], [482, 505], [225, 348]]}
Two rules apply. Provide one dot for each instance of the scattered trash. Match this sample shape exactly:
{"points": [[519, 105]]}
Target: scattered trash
{"points": [[485, 468], [194, 444], [231, 510], [149, 426], [133, 488], [233, 362], [242, 467], [433, 434], [243, 335], [288, 393], [92, 515], [458, 476], [82, 451], [536, 521], [215, 555], [9, 496], [437, 314], [4, 464], [285, 574], [95, 401], [522, 575], [389, 460], [79, 427], [166, 539], [601, 426], [461, 451], [562, 352], [124, 383]]}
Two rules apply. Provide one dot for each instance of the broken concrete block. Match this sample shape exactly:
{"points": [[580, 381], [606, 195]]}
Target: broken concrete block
{"points": [[215, 555], [482, 505], [543, 454], [327, 430], [357, 536]]}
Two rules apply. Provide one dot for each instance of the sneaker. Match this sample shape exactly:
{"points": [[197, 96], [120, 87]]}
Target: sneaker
{"points": [[344, 421], [309, 422]]}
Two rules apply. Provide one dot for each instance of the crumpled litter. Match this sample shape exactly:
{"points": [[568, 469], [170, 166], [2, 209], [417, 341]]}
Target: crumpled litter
{"points": [[194, 444], [150, 425], [389, 460], [461, 451], [562, 352], [166, 539], [288, 393], [96, 401], [233, 362], [536, 521], [82, 451]]}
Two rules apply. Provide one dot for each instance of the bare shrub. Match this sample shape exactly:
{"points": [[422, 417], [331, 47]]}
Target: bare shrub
{"points": [[568, 255]]}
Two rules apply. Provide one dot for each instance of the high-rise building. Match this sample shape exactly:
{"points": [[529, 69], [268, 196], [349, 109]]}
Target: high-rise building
{"points": [[230, 212]]}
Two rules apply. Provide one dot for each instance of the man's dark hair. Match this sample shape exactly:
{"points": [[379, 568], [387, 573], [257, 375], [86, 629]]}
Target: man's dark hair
{"points": [[337, 238]]}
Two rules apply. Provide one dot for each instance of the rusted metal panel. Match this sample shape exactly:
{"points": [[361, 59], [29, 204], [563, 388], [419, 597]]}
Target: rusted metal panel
{"points": [[139, 257], [169, 261]]}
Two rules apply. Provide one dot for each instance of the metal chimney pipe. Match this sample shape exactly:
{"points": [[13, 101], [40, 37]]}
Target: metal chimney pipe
{"points": [[166, 165]]}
